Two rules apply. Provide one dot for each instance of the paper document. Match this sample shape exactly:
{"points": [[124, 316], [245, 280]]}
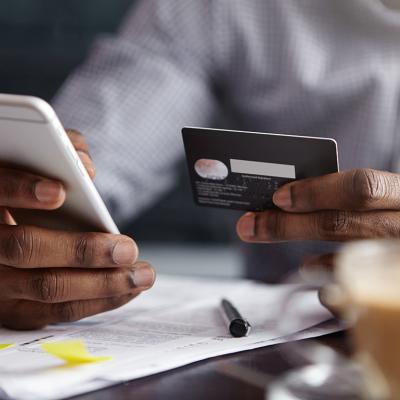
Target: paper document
{"points": [[176, 323]]}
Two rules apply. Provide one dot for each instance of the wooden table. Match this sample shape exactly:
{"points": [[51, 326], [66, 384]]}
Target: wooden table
{"points": [[203, 380]]}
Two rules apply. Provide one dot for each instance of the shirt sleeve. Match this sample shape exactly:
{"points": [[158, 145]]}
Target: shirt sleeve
{"points": [[135, 93]]}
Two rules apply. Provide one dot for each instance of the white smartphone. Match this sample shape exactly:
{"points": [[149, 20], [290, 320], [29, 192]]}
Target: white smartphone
{"points": [[32, 138]]}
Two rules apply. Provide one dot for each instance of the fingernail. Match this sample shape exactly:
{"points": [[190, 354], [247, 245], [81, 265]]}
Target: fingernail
{"points": [[143, 277], [48, 191], [124, 252], [247, 225], [282, 198]]}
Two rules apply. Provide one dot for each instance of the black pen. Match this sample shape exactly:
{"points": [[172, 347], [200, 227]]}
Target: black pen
{"points": [[238, 326]]}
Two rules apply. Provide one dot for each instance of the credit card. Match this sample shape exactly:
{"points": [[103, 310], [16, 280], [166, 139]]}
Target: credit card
{"points": [[241, 170]]}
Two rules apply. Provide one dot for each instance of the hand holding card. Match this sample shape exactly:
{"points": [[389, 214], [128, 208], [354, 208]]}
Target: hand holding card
{"points": [[313, 200], [349, 205]]}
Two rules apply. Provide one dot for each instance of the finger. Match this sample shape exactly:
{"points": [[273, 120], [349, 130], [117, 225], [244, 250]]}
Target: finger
{"points": [[78, 140], [82, 149], [62, 285], [28, 315], [88, 163], [274, 226], [328, 299], [357, 190], [32, 247], [23, 190], [6, 217]]}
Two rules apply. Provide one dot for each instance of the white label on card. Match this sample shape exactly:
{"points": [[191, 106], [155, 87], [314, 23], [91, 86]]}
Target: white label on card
{"points": [[263, 168]]}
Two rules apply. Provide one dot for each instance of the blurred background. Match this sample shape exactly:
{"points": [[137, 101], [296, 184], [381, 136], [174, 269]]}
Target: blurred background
{"points": [[41, 42]]}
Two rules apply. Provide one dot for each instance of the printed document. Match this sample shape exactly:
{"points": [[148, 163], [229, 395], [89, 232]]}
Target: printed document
{"points": [[176, 323]]}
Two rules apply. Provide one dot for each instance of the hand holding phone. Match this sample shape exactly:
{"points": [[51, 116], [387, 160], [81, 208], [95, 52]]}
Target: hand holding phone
{"points": [[49, 276]]}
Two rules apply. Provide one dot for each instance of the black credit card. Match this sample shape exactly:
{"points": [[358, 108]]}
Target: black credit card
{"points": [[242, 170]]}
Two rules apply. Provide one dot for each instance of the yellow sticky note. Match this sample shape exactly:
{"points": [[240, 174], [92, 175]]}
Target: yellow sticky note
{"points": [[72, 352], [4, 346]]}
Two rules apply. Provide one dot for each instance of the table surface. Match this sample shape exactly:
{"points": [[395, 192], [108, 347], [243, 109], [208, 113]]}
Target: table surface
{"points": [[205, 380]]}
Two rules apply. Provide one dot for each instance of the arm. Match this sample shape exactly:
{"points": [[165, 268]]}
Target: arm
{"points": [[136, 92]]}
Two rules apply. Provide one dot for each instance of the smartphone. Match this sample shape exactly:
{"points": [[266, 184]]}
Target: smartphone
{"points": [[33, 139]]}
